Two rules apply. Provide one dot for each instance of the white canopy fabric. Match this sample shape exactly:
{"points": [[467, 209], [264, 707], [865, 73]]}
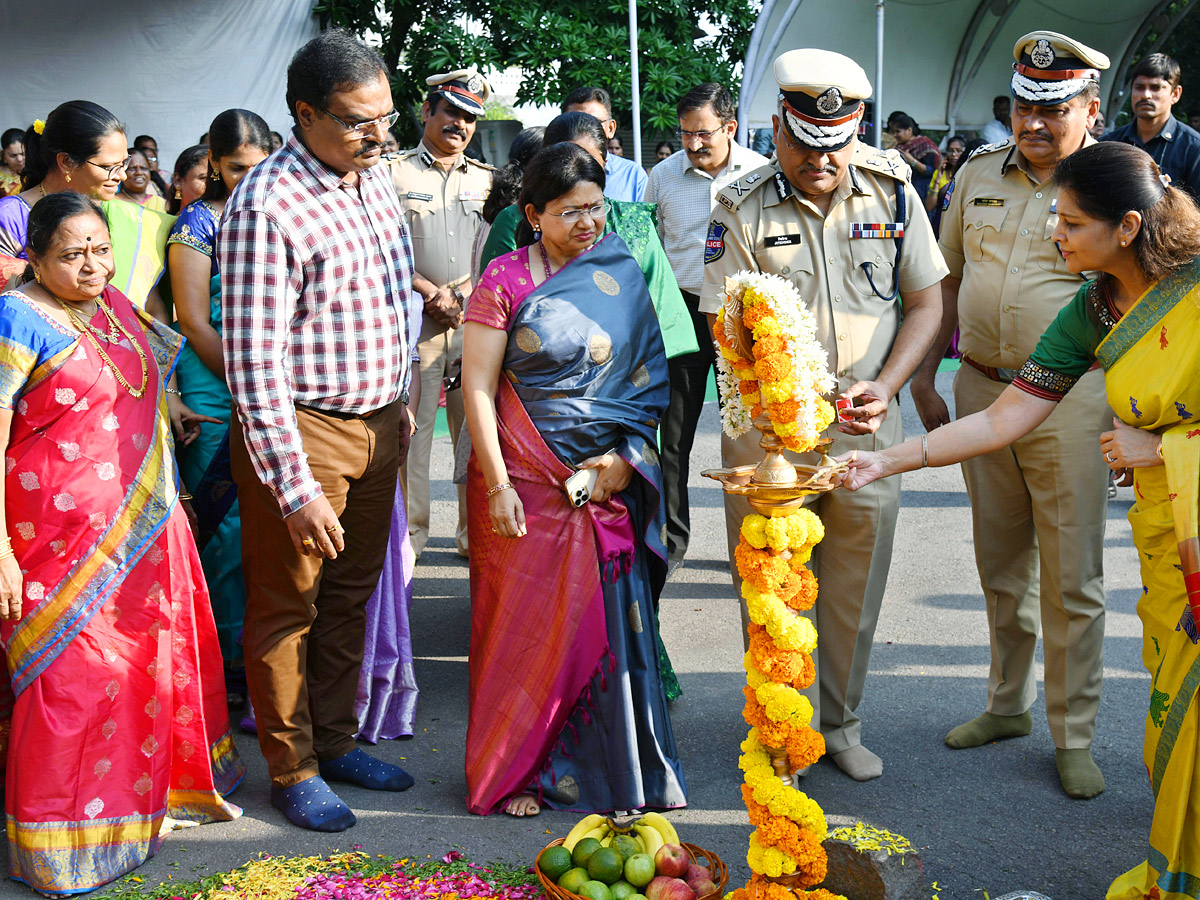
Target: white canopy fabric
{"points": [[164, 67], [944, 60]]}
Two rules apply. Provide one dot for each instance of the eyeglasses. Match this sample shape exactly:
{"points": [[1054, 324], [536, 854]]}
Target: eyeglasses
{"points": [[362, 129], [595, 213], [112, 171], [703, 135]]}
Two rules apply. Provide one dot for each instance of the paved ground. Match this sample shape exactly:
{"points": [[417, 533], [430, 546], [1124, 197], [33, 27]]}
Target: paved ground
{"points": [[989, 819]]}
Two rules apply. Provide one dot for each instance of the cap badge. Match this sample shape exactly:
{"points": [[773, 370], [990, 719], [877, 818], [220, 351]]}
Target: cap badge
{"points": [[830, 101], [1042, 56], [475, 84]]}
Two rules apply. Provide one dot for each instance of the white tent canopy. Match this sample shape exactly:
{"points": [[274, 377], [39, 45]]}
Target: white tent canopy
{"points": [[164, 67], [944, 60]]}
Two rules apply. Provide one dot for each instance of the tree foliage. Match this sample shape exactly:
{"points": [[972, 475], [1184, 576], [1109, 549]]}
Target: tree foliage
{"points": [[559, 45]]}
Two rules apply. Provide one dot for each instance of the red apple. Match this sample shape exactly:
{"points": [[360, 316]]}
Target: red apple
{"points": [[703, 888], [696, 873], [671, 860], [666, 888]]}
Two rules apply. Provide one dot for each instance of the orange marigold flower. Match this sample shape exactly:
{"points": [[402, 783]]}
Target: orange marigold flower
{"points": [[785, 411], [768, 344], [775, 367], [802, 592], [784, 666], [805, 746], [747, 387], [756, 410]]}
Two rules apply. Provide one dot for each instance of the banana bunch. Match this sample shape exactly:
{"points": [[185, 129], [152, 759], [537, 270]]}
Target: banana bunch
{"points": [[650, 831]]}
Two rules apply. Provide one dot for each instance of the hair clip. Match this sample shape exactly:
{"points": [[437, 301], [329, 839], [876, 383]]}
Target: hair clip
{"points": [[1165, 179]]}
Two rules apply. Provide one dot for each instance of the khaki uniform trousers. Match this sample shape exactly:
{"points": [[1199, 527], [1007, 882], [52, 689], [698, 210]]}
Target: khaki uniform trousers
{"points": [[851, 565], [306, 616], [438, 349], [1038, 510]]}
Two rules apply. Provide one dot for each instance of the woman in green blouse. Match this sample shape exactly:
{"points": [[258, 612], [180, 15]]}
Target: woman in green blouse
{"points": [[634, 222], [1139, 320]]}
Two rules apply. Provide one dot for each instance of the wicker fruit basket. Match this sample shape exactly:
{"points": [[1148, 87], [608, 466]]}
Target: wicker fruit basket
{"points": [[700, 856]]}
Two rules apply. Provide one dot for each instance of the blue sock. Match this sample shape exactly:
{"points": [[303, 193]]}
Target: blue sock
{"points": [[313, 805], [356, 767]]}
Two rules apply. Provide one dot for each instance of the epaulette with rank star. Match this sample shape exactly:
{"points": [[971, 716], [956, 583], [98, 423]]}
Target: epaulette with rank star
{"points": [[732, 194], [882, 162], [1006, 144]]}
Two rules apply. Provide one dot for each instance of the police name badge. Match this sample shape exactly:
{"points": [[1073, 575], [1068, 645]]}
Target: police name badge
{"points": [[714, 244], [782, 240], [417, 195], [988, 201]]}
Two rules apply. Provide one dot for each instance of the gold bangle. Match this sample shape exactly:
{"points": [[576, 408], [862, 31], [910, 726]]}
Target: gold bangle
{"points": [[925, 451], [497, 488], [1158, 450], [185, 496]]}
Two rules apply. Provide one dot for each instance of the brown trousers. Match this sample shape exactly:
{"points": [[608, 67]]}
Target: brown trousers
{"points": [[306, 616]]}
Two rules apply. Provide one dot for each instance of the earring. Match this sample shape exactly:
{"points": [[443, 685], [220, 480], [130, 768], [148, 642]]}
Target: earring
{"points": [[178, 194], [37, 276], [1123, 243], [216, 175], [537, 233], [68, 178]]}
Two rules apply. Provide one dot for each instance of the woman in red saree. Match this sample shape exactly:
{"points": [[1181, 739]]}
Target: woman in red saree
{"points": [[116, 718]]}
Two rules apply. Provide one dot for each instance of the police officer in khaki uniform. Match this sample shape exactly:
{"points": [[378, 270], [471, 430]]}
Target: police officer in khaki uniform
{"points": [[442, 191], [1042, 500], [840, 220]]}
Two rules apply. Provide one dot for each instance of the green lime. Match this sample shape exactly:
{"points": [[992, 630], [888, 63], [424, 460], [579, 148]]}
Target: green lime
{"points": [[573, 879], [595, 890], [626, 846], [639, 870], [583, 851], [606, 865], [622, 890], [554, 862]]}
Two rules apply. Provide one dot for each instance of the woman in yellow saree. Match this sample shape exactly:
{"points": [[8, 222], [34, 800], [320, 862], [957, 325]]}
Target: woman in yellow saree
{"points": [[1140, 321]]}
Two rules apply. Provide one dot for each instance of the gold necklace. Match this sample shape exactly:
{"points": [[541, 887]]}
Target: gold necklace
{"points": [[117, 330]]}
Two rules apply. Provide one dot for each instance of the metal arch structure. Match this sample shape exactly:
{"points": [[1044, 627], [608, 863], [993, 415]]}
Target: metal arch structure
{"points": [[1121, 73], [943, 60]]}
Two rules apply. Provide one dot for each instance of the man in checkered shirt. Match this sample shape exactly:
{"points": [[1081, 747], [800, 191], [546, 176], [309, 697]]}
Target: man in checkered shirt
{"points": [[319, 337]]}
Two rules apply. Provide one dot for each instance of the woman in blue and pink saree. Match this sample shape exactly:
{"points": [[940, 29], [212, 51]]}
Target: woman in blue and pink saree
{"points": [[566, 372]]}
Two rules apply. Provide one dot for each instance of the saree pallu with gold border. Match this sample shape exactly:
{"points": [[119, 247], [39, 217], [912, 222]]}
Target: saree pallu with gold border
{"points": [[1152, 376], [566, 697], [119, 717]]}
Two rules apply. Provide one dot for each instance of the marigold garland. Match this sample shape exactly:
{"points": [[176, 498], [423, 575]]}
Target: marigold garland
{"points": [[759, 888], [787, 373]]}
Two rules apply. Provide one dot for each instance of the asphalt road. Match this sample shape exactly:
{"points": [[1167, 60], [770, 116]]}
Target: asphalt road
{"points": [[992, 819]]}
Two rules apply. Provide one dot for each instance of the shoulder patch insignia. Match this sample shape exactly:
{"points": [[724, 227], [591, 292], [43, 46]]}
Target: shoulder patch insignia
{"points": [[726, 201], [946, 197], [753, 177], [714, 244], [426, 157]]}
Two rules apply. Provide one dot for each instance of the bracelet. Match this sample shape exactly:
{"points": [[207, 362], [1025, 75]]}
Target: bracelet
{"points": [[497, 488], [175, 391], [925, 451], [1158, 450], [185, 496], [6, 549]]}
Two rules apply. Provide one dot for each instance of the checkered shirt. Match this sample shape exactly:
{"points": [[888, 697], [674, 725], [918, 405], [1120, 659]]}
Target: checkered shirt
{"points": [[317, 305]]}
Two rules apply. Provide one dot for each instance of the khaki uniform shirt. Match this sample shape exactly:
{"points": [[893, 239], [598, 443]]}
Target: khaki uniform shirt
{"points": [[996, 237], [761, 223], [444, 210]]}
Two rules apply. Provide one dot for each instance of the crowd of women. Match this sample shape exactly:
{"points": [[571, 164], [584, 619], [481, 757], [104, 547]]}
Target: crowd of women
{"points": [[114, 406]]}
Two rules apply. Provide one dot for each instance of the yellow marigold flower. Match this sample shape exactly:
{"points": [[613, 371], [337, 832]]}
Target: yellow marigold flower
{"points": [[754, 530]]}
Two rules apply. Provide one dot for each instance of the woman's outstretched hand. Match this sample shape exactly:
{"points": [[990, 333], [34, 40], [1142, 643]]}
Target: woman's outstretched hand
{"points": [[613, 475], [863, 467]]}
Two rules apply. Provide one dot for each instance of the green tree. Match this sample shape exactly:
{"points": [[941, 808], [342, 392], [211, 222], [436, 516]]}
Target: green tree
{"points": [[558, 44], [417, 38]]}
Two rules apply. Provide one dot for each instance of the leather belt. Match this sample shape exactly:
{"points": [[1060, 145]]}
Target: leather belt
{"points": [[1004, 376]]}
